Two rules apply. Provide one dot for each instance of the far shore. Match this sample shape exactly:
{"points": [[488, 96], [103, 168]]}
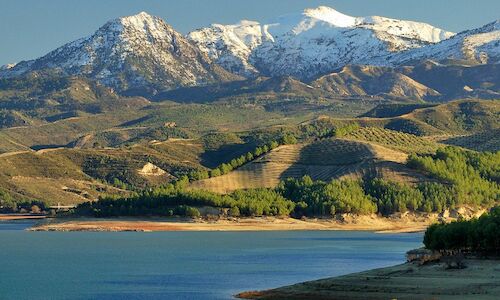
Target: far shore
{"points": [[480, 280], [359, 223], [11, 217]]}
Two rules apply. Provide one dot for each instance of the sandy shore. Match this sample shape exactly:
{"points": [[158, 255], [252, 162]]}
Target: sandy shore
{"points": [[369, 223], [479, 280], [10, 217]]}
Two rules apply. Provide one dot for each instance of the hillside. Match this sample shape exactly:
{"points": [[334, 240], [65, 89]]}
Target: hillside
{"points": [[250, 88], [376, 81], [483, 141], [459, 117], [72, 176], [323, 160], [456, 80], [448, 119]]}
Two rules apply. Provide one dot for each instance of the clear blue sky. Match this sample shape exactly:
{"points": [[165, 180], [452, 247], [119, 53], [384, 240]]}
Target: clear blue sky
{"points": [[31, 28]]}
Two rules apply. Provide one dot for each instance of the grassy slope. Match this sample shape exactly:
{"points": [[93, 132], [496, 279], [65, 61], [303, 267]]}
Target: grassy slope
{"points": [[368, 151], [194, 118], [71, 176], [49, 177], [461, 117]]}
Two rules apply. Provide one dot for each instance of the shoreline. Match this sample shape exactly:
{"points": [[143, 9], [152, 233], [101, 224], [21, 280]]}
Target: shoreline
{"points": [[354, 223], [479, 280], [13, 217]]}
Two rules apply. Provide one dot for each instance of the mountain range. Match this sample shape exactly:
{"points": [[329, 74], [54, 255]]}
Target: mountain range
{"points": [[137, 104], [340, 54]]}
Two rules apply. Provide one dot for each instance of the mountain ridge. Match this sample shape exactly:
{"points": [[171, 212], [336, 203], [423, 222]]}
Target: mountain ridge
{"points": [[322, 38], [129, 53], [142, 55]]}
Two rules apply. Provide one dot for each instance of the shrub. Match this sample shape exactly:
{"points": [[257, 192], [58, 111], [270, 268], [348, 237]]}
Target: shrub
{"points": [[192, 212], [234, 211]]}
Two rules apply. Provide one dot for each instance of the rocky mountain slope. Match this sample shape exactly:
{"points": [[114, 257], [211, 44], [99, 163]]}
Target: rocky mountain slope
{"points": [[480, 45], [311, 43], [319, 51], [371, 80], [136, 55]]}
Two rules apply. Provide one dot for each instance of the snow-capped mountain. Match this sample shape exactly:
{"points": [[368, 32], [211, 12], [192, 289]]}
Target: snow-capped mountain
{"points": [[231, 45], [135, 54], [481, 45], [142, 55], [311, 43]]}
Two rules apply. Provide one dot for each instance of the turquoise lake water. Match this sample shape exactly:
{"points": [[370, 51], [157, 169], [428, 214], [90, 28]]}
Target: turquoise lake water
{"points": [[181, 265]]}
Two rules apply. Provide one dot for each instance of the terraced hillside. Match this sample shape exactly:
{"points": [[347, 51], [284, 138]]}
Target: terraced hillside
{"points": [[322, 160], [483, 141], [407, 143], [452, 118]]}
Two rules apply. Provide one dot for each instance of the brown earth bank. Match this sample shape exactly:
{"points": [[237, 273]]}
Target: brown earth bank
{"points": [[10, 217], [480, 279], [397, 223]]}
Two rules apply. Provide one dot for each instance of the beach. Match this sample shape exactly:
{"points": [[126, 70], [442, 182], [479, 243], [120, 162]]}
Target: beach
{"points": [[479, 280], [11, 217], [361, 223]]}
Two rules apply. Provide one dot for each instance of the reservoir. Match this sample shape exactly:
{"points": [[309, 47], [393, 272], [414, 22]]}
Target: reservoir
{"points": [[182, 265]]}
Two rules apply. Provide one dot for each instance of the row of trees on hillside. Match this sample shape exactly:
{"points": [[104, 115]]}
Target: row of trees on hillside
{"points": [[235, 163], [319, 129]]}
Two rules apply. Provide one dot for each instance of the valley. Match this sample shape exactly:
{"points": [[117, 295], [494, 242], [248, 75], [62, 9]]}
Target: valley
{"points": [[255, 154], [137, 106]]}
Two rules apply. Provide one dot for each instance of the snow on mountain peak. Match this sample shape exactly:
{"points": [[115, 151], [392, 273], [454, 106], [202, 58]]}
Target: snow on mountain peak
{"points": [[330, 15], [314, 40], [141, 53], [480, 45], [8, 66], [141, 23], [140, 20]]}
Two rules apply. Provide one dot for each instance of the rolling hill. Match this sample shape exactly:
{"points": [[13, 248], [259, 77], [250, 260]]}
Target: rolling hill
{"points": [[322, 160]]}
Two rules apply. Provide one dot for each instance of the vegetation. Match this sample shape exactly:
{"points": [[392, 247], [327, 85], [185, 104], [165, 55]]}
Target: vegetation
{"points": [[482, 141], [478, 235], [463, 178], [461, 117], [473, 178], [320, 198], [393, 110], [401, 141], [235, 163], [8, 205], [174, 199], [108, 139]]}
